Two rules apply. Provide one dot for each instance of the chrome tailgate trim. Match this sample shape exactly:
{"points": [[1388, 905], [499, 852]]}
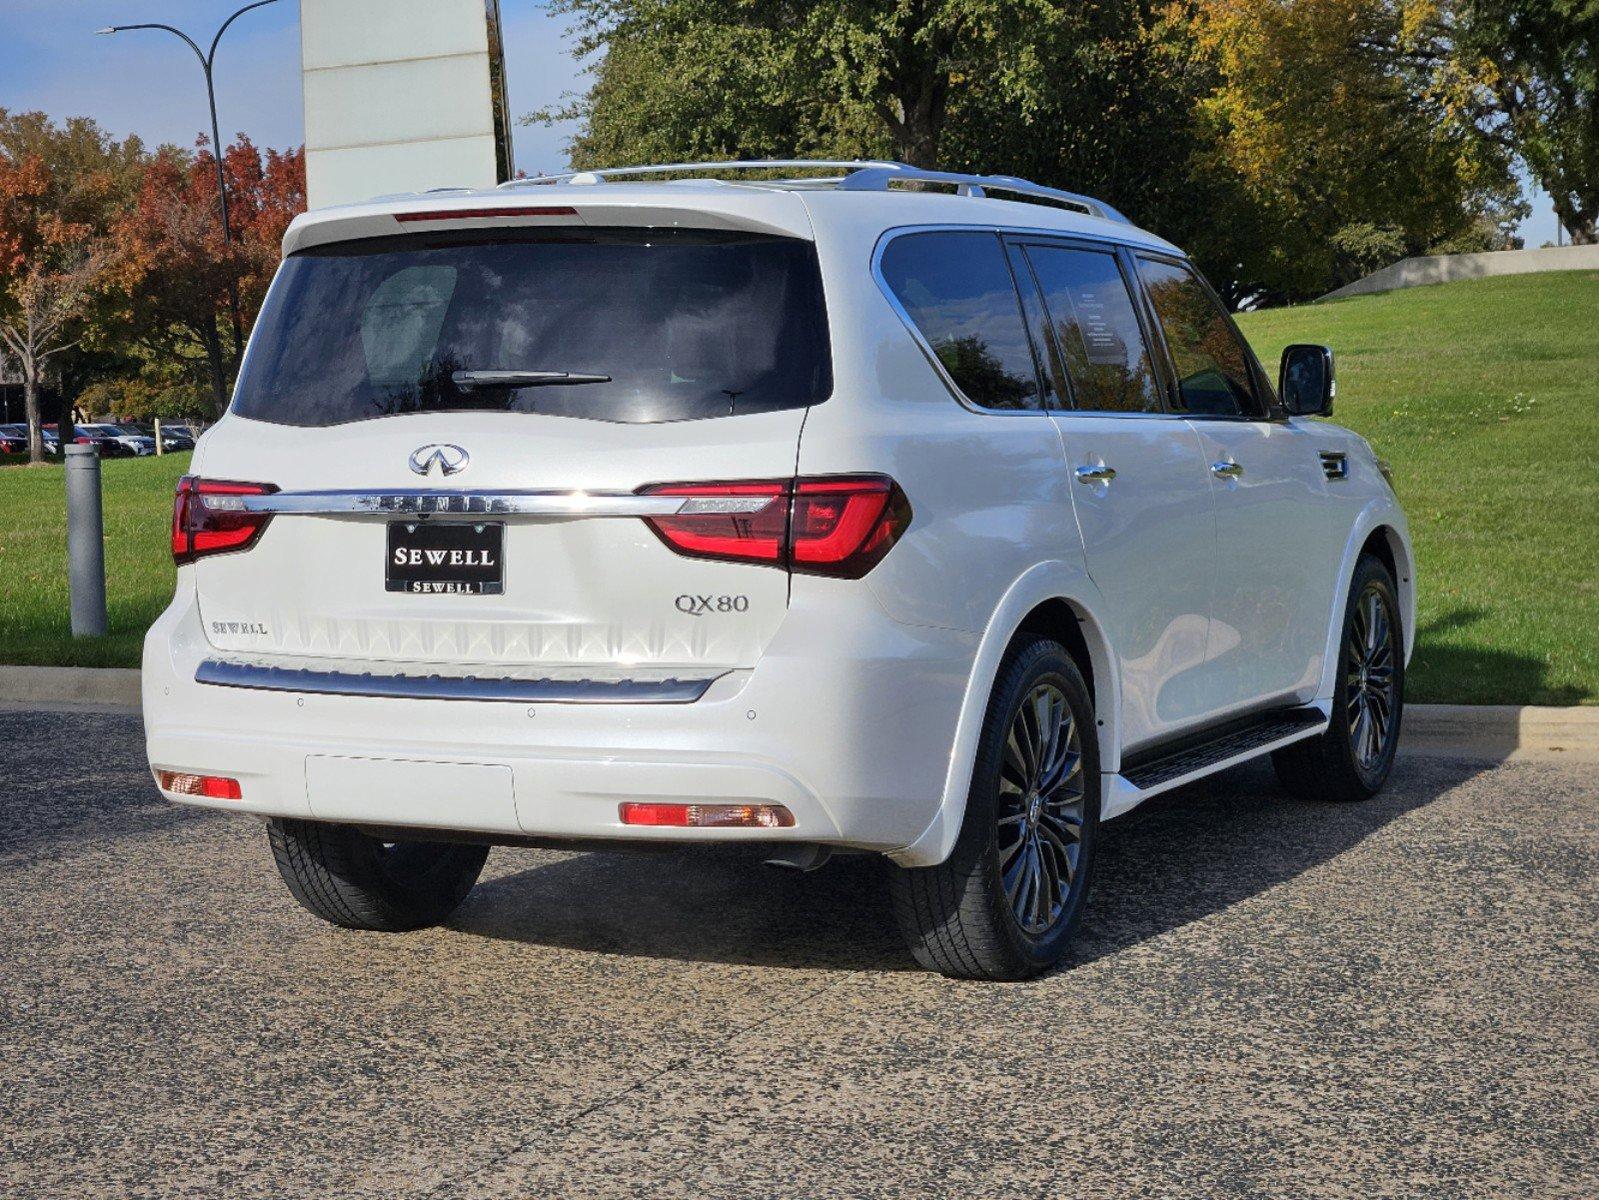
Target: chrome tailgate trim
{"points": [[222, 673]]}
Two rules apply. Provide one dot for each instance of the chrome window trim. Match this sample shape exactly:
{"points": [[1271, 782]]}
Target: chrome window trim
{"points": [[217, 672], [1001, 232]]}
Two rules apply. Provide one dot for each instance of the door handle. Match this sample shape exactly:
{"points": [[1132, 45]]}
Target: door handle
{"points": [[1226, 470], [1098, 473]]}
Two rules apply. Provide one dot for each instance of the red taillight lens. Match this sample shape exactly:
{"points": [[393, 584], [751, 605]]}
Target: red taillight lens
{"points": [[212, 787], [825, 525], [844, 527], [707, 816], [745, 522], [208, 519]]}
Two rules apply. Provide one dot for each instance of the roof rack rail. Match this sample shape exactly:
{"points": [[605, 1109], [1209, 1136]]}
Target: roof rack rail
{"points": [[861, 175]]}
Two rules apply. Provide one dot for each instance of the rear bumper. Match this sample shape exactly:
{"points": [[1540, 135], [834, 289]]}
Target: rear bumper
{"points": [[847, 722]]}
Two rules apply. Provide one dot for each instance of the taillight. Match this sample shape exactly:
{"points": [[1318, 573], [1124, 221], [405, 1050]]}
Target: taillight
{"points": [[707, 816], [212, 787], [209, 518], [823, 525]]}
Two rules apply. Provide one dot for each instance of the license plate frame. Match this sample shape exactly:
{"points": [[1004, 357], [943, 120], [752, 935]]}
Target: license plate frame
{"points": [[445, 558]]}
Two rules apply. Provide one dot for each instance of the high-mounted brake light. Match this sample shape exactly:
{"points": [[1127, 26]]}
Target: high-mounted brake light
{"points": [[821, 525], [473, 214], [212, 787], [208, 518]]}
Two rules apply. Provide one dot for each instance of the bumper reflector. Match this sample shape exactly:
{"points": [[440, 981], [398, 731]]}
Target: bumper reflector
{"points": [[708, 816], [212, 787]]}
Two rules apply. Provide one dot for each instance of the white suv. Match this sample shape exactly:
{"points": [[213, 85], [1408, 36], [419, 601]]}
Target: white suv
{"points": [[871, 513]]}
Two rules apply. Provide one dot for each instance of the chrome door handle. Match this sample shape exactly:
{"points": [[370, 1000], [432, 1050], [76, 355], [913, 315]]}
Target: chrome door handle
{"points": [[1099, 473], [1226, 470]]}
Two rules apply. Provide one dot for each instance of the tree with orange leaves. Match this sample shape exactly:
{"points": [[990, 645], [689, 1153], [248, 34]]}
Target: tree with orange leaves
{"points": [[53, 259], [177, 267]]}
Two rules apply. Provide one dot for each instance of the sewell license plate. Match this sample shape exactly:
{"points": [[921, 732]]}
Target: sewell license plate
{"points": [[445, 558]]}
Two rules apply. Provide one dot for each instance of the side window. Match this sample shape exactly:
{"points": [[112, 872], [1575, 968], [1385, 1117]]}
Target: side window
{"points": [[1213, 375], [957, 289], [1097, 330]]}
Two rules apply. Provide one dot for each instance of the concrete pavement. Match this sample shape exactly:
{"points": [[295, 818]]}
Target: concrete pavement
{"points": [[1270, 998]]}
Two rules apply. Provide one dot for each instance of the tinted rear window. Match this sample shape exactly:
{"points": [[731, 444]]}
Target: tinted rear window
{"points": [[686, 324], [957, 288]]}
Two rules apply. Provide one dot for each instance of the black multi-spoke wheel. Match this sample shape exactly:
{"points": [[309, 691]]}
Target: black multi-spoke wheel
{"points": [[1369, 658], [1352, 759], [1005, 902], [1041, 804]]}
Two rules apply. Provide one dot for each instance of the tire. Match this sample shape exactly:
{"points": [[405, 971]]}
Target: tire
{"points": [[959, 917], [352, 879], [1344, 763]]}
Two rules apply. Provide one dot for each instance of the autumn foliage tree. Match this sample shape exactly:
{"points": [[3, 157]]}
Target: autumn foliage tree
{"points": [[176, 267], [56, 185]]}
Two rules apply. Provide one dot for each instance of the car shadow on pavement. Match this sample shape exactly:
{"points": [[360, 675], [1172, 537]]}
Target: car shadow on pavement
{"points": [[1177, 859]]}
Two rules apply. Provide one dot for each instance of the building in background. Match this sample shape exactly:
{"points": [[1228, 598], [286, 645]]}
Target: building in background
{"points": [[402, 96]]}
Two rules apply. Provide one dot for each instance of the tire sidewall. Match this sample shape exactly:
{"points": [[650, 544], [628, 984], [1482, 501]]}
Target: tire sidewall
{"points": [[1369, 571], [1035, 662]]}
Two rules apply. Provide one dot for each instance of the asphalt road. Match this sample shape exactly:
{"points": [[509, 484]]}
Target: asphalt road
{"points": [[1270, 998]]}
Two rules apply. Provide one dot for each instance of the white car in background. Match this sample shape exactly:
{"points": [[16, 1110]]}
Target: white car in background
{"points": [[131, 441], [942, 524]]}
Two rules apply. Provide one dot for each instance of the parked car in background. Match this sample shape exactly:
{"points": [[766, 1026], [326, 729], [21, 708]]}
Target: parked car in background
{"points": [[173, 437], [19, 432], [816, 514], [131, 442], [11, 443], [107, 443]]}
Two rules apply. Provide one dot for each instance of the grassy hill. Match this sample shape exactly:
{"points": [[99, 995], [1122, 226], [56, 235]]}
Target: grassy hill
{"points": [[1485, 397]]}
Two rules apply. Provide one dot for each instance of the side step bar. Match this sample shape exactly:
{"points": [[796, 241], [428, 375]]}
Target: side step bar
{"points": [[1259, 733], [1166, 767], [219, 673]]}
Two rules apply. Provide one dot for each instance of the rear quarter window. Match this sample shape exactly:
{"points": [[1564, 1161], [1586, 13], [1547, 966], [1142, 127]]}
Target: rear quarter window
{"points": [[957, 290], [683, 324]]}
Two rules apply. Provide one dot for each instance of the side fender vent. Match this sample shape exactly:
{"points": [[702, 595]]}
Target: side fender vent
{"points": [[1335, 466]]}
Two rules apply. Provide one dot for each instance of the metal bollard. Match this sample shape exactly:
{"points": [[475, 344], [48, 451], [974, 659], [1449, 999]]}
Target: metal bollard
{"points": [[85, 542]]}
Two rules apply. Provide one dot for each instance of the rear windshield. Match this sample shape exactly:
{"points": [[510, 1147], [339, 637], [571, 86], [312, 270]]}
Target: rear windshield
{"points": [[686, 325]]}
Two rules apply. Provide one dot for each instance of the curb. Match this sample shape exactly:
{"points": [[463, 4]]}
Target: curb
{"points": [[1501, 729], [1494, 729], [111, 687]]}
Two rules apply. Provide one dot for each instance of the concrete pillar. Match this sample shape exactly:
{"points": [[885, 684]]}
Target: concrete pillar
{"points": [[402, 96]]}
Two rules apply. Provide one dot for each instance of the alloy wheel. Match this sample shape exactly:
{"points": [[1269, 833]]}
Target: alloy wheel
{"points": [[1042, 803], [1369, 661]]}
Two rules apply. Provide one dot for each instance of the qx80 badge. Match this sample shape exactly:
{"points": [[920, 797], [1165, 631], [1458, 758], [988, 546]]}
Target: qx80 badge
{"points": [[449, 459]]}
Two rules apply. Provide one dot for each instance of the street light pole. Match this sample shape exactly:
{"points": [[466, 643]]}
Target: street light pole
{"points": [[207, 63]]}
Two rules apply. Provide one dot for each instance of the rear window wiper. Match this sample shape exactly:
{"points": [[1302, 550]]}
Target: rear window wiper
{"points": [[472, 380]]}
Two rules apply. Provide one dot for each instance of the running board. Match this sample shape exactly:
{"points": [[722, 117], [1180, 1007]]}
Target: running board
{"points": [[1149, 776]]}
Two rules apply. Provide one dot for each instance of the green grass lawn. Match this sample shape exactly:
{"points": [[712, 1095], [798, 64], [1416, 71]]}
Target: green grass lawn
{"points": [[137, 499], [1483, 395]]}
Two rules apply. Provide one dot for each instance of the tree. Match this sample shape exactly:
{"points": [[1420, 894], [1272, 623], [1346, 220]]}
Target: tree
{"points": [[751, 78], [50, 269], [1540, 60], [1284, 142], [1347, 128], [177, 267]]}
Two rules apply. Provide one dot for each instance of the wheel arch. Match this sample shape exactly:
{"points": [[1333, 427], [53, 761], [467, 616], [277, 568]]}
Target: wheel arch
{"points": [[1055, 600], [1380, 529]]}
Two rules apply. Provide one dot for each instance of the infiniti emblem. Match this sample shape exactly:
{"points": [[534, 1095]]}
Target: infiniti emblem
{"points": [[450, 460]]}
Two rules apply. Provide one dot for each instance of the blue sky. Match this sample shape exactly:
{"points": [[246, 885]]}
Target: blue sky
{"points": [[149, 83]]}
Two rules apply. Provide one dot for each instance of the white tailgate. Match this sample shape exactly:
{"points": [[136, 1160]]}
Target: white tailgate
{"points": [[579, 592]]}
